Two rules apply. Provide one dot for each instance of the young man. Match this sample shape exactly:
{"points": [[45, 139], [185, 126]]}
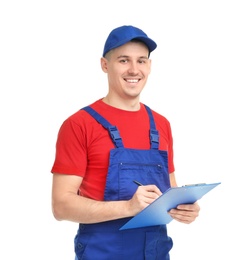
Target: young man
{"points": [[106, 146]]}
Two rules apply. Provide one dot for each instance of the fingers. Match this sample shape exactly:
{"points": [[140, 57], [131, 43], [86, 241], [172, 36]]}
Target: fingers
{"points": [[148, 193], [148, 197], [190, 207], [152, 189], [186, 213], [144, 196]]}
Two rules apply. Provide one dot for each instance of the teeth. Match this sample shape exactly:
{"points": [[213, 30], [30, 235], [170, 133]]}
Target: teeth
{"points": [[132, 80]]}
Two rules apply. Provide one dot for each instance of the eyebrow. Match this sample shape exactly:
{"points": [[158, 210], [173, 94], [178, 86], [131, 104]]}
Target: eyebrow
{"points": [[126, 56]]}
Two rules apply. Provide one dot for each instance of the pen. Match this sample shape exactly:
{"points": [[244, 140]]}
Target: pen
{"points": [[137, 182]]}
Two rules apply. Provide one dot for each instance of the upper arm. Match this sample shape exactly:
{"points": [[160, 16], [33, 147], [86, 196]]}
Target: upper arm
{"points": [[63, 184]]}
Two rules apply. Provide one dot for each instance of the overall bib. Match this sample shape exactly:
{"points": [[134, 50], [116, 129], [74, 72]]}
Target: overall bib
{"points": [[104, 241]]}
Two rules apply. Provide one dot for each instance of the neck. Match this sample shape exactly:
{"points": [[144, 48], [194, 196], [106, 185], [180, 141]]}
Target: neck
{"points": [[129, 105]]}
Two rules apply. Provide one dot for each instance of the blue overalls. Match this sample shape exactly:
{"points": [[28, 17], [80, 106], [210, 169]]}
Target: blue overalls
{"points": [[104, 241]]}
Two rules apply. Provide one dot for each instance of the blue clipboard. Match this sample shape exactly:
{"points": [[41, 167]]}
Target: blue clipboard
{"points": [[156, 213]]}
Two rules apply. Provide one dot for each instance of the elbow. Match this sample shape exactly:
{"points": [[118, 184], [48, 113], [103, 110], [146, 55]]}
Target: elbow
{"points": [[57, 211]]}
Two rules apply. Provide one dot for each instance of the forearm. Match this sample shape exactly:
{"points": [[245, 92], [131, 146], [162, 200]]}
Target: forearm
{"points": [[173, 181], [83, 210]]}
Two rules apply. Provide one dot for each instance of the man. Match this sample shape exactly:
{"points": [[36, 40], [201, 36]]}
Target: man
{"points": [[106, 146]]}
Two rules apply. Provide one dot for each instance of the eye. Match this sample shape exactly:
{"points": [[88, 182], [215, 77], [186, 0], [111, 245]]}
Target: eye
{"points": [[123, 61], [142, 61]]}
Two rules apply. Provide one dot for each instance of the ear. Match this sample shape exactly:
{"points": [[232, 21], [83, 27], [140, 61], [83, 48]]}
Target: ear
{"points": [[103, 62]]}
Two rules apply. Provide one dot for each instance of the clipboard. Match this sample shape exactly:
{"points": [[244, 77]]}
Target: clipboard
{"points": [[156, 212]]}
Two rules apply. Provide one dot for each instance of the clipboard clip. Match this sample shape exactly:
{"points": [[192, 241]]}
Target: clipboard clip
{"points": [[194, 184]]}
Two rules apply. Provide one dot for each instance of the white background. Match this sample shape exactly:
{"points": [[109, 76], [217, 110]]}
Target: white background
{"points": [[50, 67]]}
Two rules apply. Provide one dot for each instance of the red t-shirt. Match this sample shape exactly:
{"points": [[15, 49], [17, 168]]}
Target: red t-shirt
{"points": [[83, 145]]}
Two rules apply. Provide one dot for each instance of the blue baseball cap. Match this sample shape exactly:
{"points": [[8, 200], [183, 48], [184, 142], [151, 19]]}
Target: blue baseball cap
{"points": [[123, 34]]}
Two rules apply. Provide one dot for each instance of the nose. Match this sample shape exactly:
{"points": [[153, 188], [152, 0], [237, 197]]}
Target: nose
{"points": [[133, 68]]}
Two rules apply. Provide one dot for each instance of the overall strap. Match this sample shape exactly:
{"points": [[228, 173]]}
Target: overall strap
{"points": [[154, 134], [113, 131]]}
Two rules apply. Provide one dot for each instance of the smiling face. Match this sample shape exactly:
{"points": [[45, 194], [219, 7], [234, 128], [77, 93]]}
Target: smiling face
{"points": [[128, 67]]}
